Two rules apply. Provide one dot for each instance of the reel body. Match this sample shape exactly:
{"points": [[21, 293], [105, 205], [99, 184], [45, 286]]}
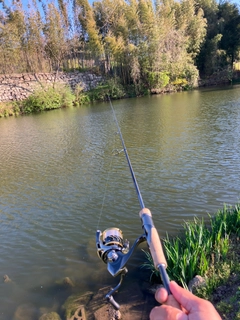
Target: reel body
{"points": [[115, 252], [109, 243]]}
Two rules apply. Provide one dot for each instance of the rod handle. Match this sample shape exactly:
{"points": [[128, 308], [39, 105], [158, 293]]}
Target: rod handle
{"points": [[152, 238], [171, 301], [157, 253]]}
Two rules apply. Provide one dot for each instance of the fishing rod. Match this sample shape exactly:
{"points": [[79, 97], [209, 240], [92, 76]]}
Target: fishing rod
{"points": [[115, 252]]}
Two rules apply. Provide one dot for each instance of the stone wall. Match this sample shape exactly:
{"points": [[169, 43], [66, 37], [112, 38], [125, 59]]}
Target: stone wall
{"points": [[15, 87]]}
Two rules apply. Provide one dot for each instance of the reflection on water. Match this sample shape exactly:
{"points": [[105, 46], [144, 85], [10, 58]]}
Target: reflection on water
{"points": [[59, 182]]}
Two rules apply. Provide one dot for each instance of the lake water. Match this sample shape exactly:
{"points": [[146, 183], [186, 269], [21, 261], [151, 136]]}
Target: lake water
{"points": [[59, 183]]}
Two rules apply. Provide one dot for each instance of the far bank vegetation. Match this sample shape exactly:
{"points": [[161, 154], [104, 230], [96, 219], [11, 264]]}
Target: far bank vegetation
{"points": [[150, 45]]}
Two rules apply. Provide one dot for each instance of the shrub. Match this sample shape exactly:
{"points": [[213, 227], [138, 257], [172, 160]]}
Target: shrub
{"points": [[158, 80], [111, 88], [115, 88], [48, 99]]}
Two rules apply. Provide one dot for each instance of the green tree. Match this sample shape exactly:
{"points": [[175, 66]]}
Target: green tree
{"points": [[230, 27], [88, 25], [190, 20], [12, 39], [210, 48], [222, 41], [35, 44], [55, 36]]}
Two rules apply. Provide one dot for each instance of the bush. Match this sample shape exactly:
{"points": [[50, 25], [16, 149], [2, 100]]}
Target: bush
{"points": [[115, 89], [158, 80], [80, 96], [48, 99], [180, 83], [111, 88]]}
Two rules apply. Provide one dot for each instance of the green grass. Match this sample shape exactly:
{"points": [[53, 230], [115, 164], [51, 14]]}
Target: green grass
{"points": [[47, 99], [203, 247], [8, 109]]}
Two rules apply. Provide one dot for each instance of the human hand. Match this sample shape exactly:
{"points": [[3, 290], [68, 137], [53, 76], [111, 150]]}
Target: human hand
{"points": [[192, 307]]}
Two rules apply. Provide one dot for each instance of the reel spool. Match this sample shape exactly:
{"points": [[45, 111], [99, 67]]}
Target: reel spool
{"points": [[109, 242], [113, 236]]}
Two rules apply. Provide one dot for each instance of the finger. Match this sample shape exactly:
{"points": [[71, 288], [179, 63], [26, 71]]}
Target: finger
{"points": [[192, 303], [161, 295], [171, 301], [184, 297], [167, 313]]}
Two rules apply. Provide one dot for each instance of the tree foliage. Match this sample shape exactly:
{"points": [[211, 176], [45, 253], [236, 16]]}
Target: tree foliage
{"points": [[150, 44], [222, 42]]}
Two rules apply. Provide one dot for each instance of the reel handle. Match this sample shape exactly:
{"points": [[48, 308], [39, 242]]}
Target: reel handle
{"points": [[113, 302]]}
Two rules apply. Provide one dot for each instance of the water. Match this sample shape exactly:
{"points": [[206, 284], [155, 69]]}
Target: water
{"points": [[59, 183]]}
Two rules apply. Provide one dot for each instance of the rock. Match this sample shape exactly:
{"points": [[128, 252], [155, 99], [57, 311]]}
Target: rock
{"points": [[79, 314], [25, 312], [195, 283], [50, 316], [75, 304], [65, 282], [6, 278], [134, 305], [107, 312], [101, 313], [114, 314], [98, 306]]}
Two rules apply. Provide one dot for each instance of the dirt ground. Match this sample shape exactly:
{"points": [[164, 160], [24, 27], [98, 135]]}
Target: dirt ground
{"points": [[135, 304], [226, 299], [136, 298]]}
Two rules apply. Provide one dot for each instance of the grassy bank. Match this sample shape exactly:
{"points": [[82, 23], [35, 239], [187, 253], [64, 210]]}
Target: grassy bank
{"points": [[209, 249], [59, 96], [49, 98]]}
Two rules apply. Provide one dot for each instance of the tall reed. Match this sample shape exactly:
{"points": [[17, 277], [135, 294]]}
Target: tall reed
{"points": [[200, 246]]}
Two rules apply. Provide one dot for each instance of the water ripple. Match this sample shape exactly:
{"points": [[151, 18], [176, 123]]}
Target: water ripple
{"points": [[60, 182]]}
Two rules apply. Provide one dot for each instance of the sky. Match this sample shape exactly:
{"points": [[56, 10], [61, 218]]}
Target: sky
{"points": [[26, 2]]}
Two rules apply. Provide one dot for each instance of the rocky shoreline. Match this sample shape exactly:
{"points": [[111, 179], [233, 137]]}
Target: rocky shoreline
{"points": [[136, 301]]}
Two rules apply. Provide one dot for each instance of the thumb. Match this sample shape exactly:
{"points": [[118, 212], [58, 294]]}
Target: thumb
{"points": [[166, 313]]}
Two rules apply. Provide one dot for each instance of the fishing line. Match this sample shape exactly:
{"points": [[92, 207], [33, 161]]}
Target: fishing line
{"points": [[105, 192], [114, 153], [140, 199]]}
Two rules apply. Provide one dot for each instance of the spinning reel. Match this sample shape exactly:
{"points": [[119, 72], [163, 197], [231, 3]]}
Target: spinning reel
{"points": [[115, 252]]}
